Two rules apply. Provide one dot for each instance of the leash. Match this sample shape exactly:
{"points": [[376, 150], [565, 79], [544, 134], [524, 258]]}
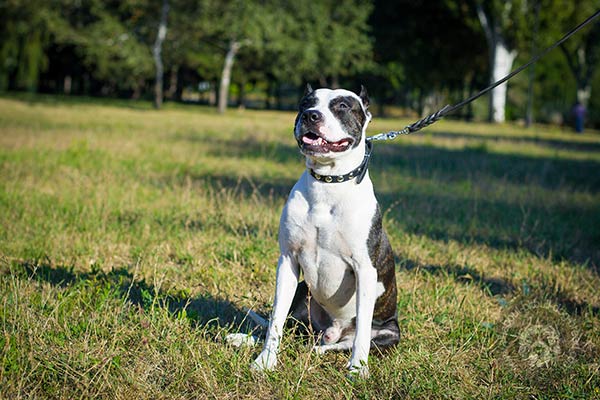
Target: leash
{"points": [[359, 172], [447, 109]]}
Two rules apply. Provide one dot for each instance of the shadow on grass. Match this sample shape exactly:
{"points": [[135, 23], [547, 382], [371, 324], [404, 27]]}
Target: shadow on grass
{"points": [[558, 144], [563, 230], [498, 286], [448, 165], [491, 285], [245, 147], [566, 233], [444, 164], [76, 100], [560, 230], [201, 310]]}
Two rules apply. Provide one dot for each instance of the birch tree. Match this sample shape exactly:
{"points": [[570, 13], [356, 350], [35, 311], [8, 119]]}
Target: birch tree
{"points": [[232, 50], [501, 22], [235, 24], [157, 54]]}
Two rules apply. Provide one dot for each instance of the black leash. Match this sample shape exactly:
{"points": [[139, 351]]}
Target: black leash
{"points": [[436, 116], [361, 170]]}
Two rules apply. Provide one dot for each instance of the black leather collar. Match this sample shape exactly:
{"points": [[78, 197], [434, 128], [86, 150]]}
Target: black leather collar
{"points": [[358, 173]]}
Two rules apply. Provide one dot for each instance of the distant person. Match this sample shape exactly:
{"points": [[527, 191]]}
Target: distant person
{"points": [[579, 114]]}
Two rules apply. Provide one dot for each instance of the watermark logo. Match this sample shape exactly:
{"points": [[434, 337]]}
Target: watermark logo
{"points": [[538, 335], [539, 345]]}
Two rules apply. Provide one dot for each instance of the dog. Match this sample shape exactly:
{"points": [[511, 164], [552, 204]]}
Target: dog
{"points": [[331, 231]]}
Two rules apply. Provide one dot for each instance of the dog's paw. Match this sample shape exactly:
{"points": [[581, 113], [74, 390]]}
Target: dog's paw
{"points": [[241, 339], [360, 371], [319, 349], [265, 361]]}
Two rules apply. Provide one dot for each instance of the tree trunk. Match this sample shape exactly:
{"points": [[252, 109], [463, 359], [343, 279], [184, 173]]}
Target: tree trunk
{"points": [[584, 92], [536, 26], [234, 47], [278, 103], [501, 61], [67, 84], [173, 83], [268, 102], [335, 82], [157, 54], [241, 101], [137, 90], [582, 71], [469, 85], [584, 89]]}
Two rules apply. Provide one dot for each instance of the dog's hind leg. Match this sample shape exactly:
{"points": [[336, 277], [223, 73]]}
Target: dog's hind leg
{"points": [[307, 312], [385, 335], [343, 345]]}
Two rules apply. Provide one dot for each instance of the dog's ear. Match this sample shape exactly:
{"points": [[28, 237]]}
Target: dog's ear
{"points": [[308, 89], [364, 96]]}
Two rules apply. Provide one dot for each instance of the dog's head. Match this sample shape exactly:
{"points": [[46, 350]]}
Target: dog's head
{"points": [[331, 123]]}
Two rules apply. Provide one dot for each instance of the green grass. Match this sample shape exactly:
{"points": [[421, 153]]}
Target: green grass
{"points": [[131, 241]]}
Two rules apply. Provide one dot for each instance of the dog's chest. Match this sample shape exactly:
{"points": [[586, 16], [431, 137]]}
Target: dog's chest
{"points": [[324, 230], [313, 231]]}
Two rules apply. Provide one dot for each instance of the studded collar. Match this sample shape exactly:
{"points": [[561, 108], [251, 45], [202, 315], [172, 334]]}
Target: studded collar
{"points": [[358, 173]]}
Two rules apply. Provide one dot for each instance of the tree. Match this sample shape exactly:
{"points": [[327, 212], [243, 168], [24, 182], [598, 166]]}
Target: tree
{"points": [[338, 38], [24, 28], [421, 54], [157, 54], [502, 23], [188, 43], [582, 52], [287, 41], [107, 40], [231, 24], [531, 77]]}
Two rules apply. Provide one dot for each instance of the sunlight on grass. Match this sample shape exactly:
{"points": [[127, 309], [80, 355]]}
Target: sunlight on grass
{"points": [[132, 240]]}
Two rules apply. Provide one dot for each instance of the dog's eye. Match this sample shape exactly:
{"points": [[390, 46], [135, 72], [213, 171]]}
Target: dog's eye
{"points": [[343, 106]]}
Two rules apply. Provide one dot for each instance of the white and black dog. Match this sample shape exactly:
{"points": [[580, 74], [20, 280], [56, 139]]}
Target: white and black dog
{"points": [[331, 230]]}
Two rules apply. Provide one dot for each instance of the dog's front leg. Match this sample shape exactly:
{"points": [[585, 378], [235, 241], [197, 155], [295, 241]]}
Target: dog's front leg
{"points": [[366, 286], [285, 287]]}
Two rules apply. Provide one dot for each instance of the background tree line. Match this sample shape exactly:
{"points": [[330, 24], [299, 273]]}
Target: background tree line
{"points": [[413, 56]]}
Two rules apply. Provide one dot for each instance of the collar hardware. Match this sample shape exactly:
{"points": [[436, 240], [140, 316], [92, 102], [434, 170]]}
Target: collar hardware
{"points": [[358, 173]]}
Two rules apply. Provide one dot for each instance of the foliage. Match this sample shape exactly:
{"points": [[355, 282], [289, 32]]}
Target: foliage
{"points": [[293, 43], [583, 55], [509, 18], [408, 53], [427, 39], [24, 30]]}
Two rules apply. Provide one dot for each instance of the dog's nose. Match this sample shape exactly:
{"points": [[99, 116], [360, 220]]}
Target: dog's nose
{"points": [[312, 116]]}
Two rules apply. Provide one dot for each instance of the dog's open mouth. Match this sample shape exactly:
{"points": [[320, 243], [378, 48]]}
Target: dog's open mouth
{"points": [[315, 143]]}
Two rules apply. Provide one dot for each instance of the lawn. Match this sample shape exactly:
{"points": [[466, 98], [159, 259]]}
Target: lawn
{"points": [[133, 240]]}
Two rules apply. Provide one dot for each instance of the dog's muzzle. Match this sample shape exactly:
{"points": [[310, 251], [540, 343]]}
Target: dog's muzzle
{"points": [[311, 140]]}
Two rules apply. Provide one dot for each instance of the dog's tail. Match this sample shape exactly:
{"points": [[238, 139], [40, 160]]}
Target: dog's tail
{"points": [[247, 339], [258, 320]]}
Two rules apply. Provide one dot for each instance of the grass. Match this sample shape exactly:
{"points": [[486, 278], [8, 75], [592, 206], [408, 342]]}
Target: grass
{"points": [[131, 240]]}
